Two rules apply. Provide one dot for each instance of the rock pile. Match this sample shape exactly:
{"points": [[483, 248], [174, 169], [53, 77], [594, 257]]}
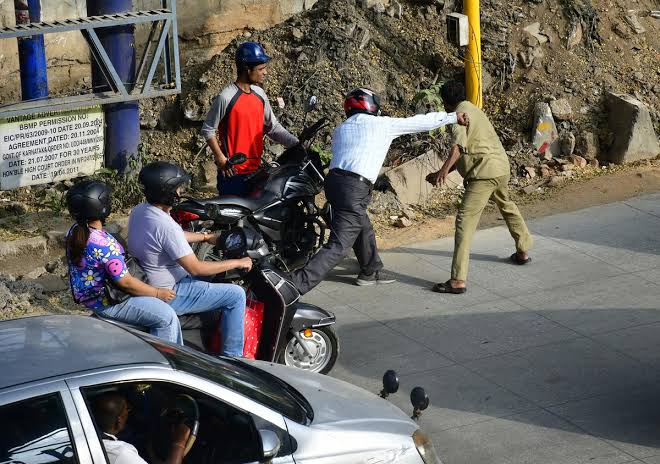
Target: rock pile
{"points": [[31, 293]]}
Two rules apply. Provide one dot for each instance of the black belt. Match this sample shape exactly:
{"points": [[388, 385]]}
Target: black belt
{"points": [[341, 172]]}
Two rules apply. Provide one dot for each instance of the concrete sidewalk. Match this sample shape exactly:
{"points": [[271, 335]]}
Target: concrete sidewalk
{"points": [[555, 362]]}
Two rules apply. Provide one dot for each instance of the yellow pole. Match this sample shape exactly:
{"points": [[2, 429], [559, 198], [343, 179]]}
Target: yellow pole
{"points": [[473, 54]]}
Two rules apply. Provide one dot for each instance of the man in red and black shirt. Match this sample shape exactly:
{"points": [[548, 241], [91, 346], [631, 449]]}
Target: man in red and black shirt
{"points": [[238, 120]]}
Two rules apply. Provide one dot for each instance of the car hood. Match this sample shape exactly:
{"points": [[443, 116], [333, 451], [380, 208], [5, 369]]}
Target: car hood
{"points": [[339, 404]]}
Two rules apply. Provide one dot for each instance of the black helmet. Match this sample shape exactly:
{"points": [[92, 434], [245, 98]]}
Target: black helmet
{"points": [[89, 200], [160, 180], [362, 101]]}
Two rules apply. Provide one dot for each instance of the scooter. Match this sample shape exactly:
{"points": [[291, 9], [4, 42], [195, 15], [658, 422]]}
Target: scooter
{"points": [[293, 333]]}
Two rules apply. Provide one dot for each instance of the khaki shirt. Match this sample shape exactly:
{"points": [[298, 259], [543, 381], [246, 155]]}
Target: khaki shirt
{"points": [[482, 153]]}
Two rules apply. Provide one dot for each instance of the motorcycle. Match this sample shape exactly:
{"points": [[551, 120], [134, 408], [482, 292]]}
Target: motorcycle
{"points": [[293, 333], [281, 207]]}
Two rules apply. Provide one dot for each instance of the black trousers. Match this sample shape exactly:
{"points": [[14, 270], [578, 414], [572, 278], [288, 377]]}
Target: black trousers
{"points": [[350, 227]]}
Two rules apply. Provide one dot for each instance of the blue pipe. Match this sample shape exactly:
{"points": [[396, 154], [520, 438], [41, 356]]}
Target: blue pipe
{"points": [[122, 134], [31, 52]]}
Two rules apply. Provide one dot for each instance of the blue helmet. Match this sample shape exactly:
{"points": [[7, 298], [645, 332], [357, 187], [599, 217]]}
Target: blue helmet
{"points": [[250, 54]]}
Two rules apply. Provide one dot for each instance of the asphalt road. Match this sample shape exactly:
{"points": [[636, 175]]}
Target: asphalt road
{"points": [[554, 362]]}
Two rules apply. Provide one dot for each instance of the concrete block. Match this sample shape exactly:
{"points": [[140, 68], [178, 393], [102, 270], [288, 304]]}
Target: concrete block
{"points": [[545, 136], [630, 122], [20, 247], [409, 180]]}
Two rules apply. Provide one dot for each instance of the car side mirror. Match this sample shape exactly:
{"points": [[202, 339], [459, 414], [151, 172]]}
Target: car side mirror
{"points": [[311, 103], [420, 401], [390, 384], [270, 445]]}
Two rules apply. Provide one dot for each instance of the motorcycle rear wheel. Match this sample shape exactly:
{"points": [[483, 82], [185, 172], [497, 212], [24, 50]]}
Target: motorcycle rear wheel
{"points": [[323, 344]]}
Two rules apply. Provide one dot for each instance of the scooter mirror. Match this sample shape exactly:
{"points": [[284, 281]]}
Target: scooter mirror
{"points": [[390, 384], [238, 158], [311, 103]]}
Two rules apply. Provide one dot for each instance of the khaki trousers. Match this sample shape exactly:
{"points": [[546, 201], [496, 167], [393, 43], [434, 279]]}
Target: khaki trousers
{"points": [[475, 199]]}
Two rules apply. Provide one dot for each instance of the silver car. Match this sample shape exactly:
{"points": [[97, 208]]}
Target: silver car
{"points": [[53, 367]]}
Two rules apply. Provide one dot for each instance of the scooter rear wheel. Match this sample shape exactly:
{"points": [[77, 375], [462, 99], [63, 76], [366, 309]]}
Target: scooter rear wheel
{"points": [[323, 345]]}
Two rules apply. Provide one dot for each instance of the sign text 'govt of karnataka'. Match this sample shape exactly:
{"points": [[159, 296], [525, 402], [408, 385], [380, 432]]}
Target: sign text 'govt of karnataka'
{"points": [[50, 147]]}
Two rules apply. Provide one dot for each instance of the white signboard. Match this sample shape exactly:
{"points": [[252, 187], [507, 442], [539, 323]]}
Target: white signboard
{"points": [[49, 147]]}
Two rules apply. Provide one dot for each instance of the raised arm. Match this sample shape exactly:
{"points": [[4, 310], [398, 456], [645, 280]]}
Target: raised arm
{"points": [[420, 123]]}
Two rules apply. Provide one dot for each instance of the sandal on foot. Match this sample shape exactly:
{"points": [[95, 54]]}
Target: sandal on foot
{"points": [[445, 287], [515, 259]]}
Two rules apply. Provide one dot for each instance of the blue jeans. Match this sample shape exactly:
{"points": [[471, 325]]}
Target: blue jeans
{"points": [[192, 296], [150, 312], [197, 296]]}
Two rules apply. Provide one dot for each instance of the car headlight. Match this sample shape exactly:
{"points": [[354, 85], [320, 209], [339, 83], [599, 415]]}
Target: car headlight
{"points": [[425, 448]]}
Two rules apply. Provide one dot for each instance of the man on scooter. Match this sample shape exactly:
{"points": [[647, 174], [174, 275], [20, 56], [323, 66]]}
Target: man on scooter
{"points": [[238, 120], [164, 252]]}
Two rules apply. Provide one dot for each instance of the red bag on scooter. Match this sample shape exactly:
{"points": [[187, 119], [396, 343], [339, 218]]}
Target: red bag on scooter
{"points": [[254, 320]]}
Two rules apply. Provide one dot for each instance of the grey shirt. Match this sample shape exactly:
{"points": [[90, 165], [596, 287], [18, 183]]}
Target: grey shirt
{"points": [[272, 127], [157, 241]]}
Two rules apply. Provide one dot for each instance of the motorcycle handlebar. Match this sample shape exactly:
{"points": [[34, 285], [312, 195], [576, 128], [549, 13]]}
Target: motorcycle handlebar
{"points": [[309, 132]]}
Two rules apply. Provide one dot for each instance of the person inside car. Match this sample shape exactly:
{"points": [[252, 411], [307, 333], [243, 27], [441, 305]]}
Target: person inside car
{"points": [[111, 413], [95, 256], [163, 249]]}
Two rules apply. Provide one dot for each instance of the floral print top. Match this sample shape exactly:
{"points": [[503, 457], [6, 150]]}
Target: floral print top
{"points": [[103, 259]]}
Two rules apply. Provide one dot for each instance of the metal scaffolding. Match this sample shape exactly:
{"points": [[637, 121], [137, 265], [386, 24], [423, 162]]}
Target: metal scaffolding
{"points": [[163, 35]]}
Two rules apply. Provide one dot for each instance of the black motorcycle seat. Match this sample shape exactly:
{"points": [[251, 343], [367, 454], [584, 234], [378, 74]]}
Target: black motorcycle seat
{"points": [[253, 204]]}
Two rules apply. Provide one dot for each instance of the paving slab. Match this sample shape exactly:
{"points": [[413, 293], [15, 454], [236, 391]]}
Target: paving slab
{"points": [[536, 437], [598, 306], [628, 420], [650, 275], [618, 234], [370, 349], [482, 330], [571, 370], [641, 343], [652, 460]]}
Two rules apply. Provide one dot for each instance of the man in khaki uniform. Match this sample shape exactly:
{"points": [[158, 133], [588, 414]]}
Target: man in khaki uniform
{"points": [[480, 158]]}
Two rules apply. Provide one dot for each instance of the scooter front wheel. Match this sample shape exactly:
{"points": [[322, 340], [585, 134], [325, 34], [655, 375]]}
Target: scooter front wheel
{"points": [[319, 353]]}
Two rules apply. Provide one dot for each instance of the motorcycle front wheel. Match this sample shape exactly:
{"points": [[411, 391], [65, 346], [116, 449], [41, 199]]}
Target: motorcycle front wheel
{"points": [[322, 344]]}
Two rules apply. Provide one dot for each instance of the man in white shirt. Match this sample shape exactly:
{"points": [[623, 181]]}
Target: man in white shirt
{"points": [[111, 413], [359, 147]]}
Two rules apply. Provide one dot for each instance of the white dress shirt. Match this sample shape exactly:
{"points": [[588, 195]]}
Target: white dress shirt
{"points": [[360, 144], [120, 452]]}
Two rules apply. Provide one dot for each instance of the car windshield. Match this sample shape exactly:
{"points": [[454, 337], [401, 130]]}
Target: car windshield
{"points": [[240, 377]]}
